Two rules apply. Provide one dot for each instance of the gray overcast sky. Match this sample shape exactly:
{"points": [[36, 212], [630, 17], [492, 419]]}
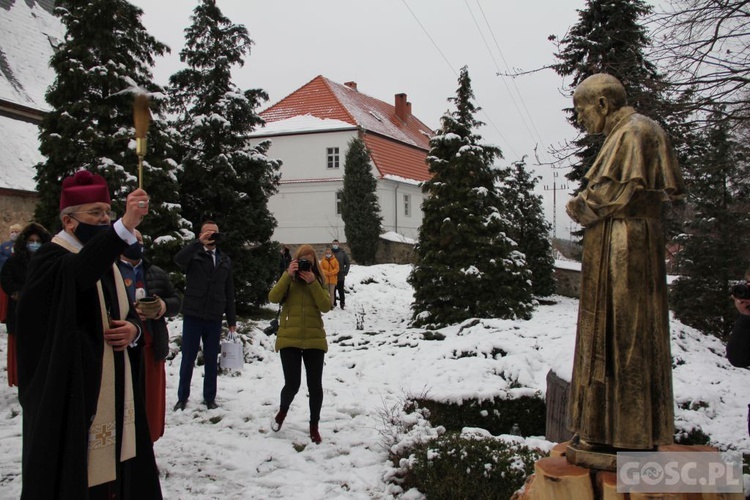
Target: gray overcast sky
{"points": [[382, 45]]}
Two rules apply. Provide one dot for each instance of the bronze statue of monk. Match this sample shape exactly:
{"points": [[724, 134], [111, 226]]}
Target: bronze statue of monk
{"points": [[621, 391]]}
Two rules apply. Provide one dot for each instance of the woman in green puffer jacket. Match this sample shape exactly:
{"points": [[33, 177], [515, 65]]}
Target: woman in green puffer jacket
{"points": [[301, 337]]}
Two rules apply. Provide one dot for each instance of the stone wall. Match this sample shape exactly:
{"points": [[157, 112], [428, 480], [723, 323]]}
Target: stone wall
{"points": [[16, 207], [568, 282], [395, 252]]}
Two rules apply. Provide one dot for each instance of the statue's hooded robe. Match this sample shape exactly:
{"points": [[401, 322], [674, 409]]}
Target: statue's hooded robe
{"points": [[621, 390]]}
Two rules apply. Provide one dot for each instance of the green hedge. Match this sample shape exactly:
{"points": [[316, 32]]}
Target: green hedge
{"points": [[497, 417], [471, 467]]}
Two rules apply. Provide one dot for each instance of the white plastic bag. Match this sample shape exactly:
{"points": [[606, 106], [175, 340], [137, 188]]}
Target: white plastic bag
{"points": [[231, 354]]}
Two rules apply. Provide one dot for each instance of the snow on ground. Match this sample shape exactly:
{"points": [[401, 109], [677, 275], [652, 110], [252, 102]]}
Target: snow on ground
{"points": [[231, 452]]}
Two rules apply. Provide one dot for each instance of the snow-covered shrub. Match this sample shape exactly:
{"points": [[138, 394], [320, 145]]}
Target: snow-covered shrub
{"points": [[463, 462], [456, 465]]}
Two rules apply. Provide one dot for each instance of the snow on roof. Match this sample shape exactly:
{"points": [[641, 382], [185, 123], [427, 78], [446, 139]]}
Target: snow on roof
{"points": [[302, 124], [397, 159], [403, 180], [398, 146], [19, 148], [28, 32], [398, 238], [327, 99], [571, 265], [370, 114]]}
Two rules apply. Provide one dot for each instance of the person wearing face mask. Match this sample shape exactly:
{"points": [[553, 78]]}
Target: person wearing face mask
{"points": [[330, 267], [85, 433], [145, 280], [6, 248], [12, 278], [343, 259]]}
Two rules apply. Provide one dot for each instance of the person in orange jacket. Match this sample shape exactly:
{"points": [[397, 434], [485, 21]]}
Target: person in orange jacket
{"points": [[330, 267]]}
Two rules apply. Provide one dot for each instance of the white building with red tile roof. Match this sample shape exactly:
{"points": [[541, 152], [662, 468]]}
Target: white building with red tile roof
{"points": [[310, 130]]}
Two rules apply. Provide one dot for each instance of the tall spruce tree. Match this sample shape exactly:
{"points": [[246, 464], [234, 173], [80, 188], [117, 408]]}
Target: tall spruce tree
{"points": [[468, 266], [223, 177], [528, 227], [717, 235], [360, 209], [105, 57], [608, 38]]}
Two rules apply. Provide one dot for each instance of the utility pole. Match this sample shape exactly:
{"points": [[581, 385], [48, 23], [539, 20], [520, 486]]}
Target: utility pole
{"points": [[555, 188]]}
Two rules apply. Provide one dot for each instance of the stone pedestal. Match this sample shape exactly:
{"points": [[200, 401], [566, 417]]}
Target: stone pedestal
{"points": [[555, 478]]}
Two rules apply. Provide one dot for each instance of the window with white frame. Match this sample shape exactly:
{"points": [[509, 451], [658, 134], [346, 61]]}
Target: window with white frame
{"points": [[332, 155], [407, 205], [339, 196]]}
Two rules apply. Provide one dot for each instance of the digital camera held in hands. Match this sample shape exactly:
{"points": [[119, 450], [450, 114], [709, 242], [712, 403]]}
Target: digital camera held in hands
{"points": [[741, 291], [304, 265], [272, 328]]}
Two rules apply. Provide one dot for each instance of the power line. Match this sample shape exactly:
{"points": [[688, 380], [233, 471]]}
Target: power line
{"points": [[489, 120], [520, 96], [497, 67], [428, 36]]}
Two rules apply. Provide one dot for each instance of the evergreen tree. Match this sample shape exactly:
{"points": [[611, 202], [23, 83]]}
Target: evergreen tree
{"points": [[608, 38], [528, 227], [223, 177], [360, 208], [468, 266], [105, 58], [717, 236]]}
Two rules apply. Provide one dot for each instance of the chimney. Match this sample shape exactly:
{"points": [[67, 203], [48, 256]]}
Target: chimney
{"points": [[351, 85], [403, 108]]}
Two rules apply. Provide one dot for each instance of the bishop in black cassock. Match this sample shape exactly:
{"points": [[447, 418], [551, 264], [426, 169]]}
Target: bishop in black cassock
{"points": [[85, 434]]}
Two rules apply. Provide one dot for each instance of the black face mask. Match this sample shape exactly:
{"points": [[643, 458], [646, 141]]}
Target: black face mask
{"points": [[85, 232], [134, 251]]}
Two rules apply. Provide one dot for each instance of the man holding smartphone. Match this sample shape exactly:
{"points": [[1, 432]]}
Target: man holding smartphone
{"points": [[209, 295]]}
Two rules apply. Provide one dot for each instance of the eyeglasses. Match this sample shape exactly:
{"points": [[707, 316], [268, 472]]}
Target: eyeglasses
{"points": [[98, 213]]}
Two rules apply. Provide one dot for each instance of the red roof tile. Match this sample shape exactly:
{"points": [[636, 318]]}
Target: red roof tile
{"points": [[314, 98], [398, 147], [393, 158]]}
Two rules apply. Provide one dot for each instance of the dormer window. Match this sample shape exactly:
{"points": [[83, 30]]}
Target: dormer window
{"points": [[333, 157]]}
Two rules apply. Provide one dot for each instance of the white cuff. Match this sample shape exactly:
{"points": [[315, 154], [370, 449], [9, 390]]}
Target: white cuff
{"points": [[123, 232], [134, 343]]}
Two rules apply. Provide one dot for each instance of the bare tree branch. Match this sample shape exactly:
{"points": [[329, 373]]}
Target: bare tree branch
{"points": [[705, 46]]}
